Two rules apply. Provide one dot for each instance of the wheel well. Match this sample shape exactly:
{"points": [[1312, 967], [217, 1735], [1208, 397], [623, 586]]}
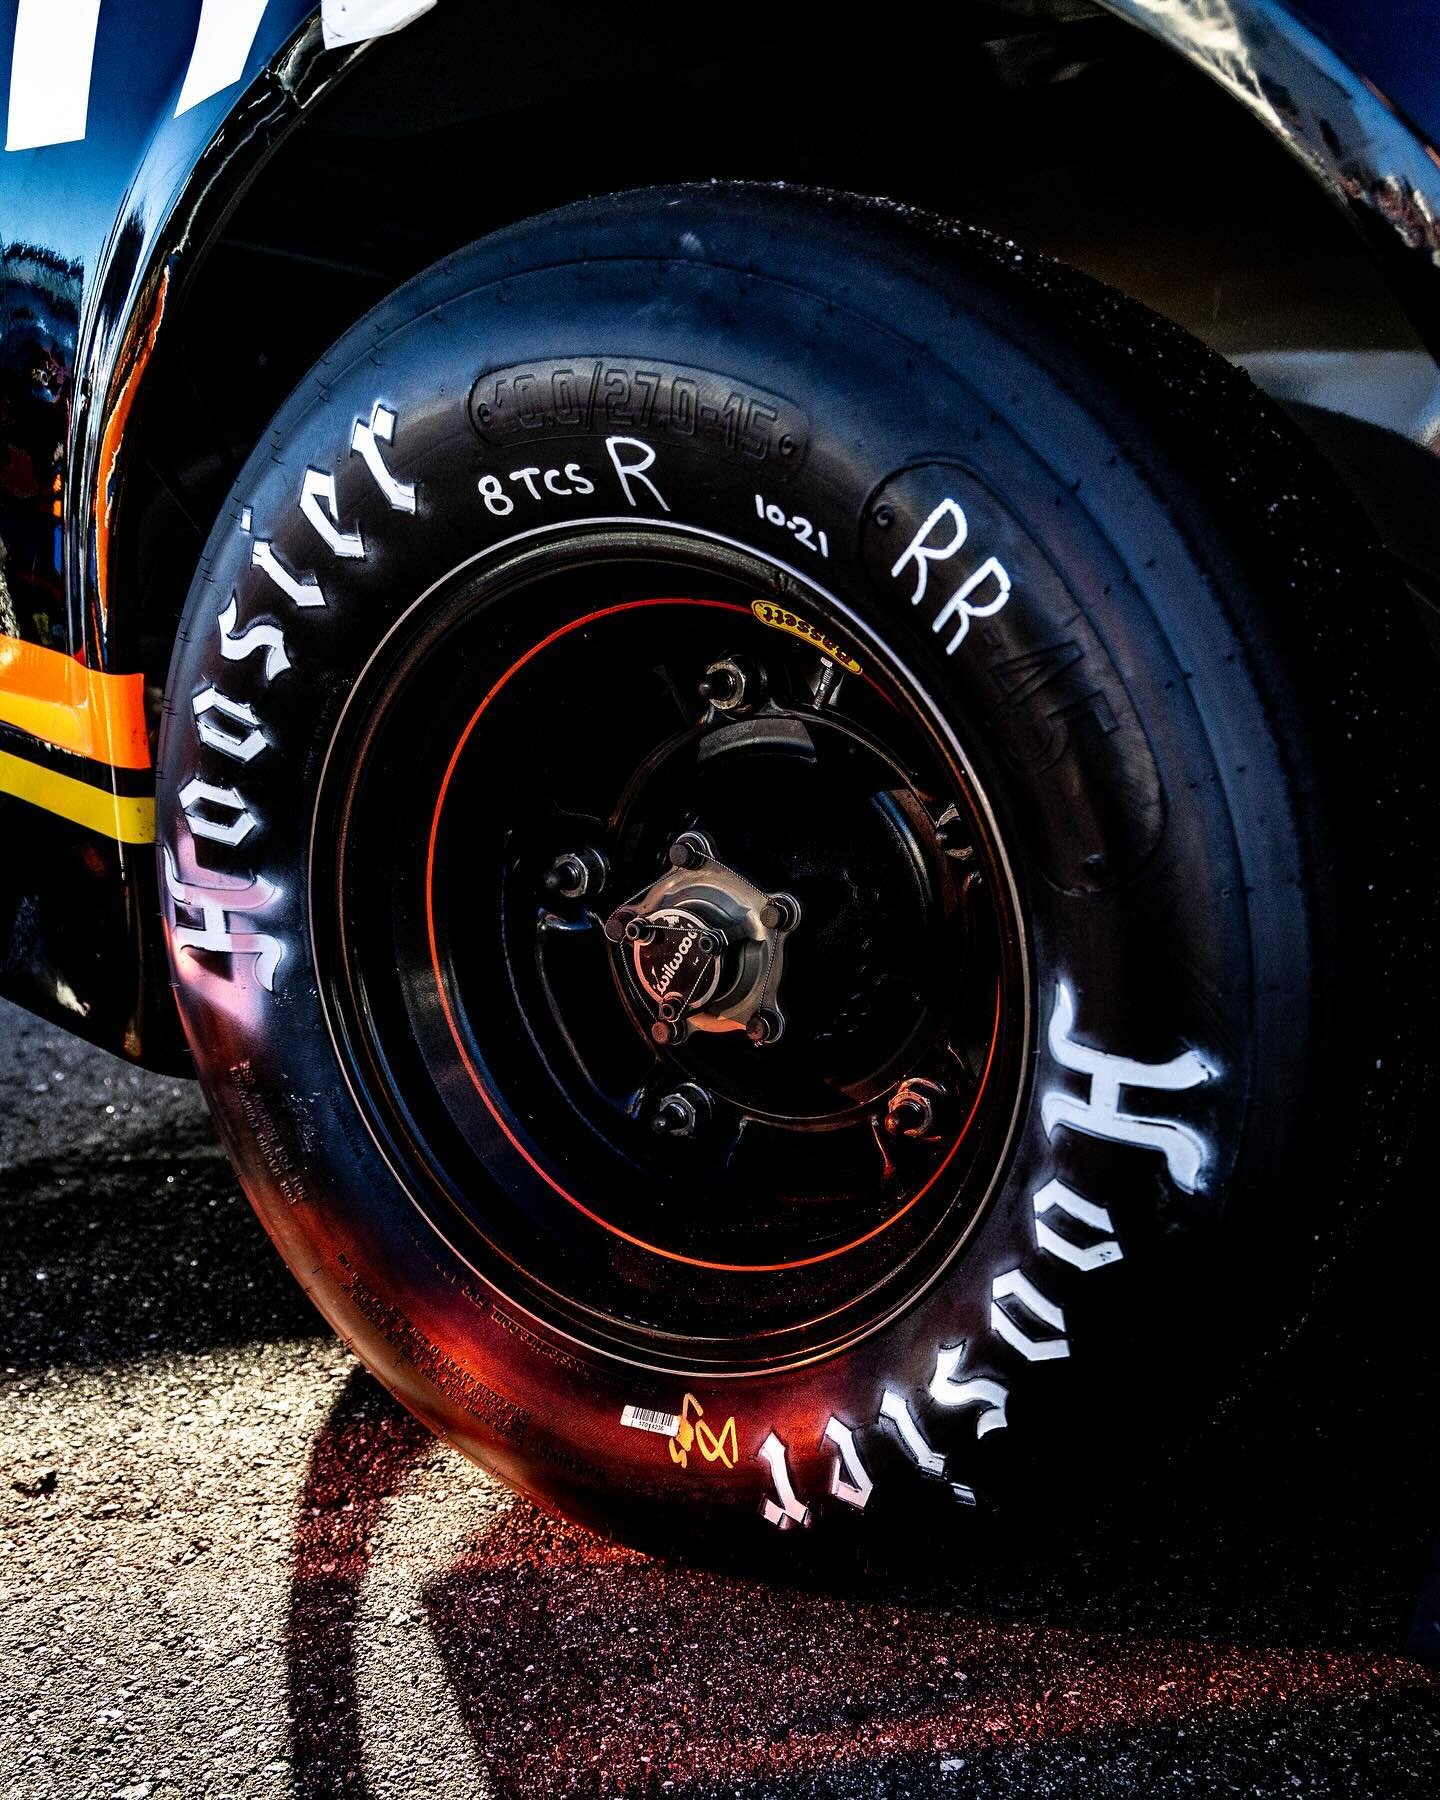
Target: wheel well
{"points": [[1046, 120]]}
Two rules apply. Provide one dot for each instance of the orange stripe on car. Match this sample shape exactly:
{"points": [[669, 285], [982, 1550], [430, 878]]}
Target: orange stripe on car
{"points": [[57, 699]]}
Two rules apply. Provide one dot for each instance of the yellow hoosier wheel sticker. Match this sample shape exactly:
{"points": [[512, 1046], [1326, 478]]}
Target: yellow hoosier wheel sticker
{"points": [[780, 618]]}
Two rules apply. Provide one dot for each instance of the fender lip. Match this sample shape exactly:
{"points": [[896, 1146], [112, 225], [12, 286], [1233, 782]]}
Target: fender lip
{"points": [[1362, 149]]}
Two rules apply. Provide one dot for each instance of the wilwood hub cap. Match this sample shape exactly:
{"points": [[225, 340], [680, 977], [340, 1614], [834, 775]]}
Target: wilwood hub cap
{"points": [[706, 947]]}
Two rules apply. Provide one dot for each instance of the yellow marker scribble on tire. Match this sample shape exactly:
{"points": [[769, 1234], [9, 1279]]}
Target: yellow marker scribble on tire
{"points": [[780, 618], [694, 1434]]}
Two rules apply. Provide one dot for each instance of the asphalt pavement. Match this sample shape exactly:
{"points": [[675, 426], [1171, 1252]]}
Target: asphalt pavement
{"points": [[231, 1566]]}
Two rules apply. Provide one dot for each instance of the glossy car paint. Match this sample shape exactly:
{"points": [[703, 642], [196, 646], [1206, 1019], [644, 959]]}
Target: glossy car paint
{"points": [[156, 137]]}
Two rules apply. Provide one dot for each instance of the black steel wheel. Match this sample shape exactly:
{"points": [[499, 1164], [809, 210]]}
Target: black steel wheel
{"points": [[772, 813], [702, 1031]]}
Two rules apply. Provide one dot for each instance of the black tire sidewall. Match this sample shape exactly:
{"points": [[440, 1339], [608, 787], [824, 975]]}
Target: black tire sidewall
{"points": [[1112, 710]]}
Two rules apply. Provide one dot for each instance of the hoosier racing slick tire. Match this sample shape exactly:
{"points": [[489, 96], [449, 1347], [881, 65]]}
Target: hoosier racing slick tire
{"points": [[784, 846]]}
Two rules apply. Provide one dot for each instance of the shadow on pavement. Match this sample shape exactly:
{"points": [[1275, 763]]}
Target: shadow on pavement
{"points": [[1240, 1628]]}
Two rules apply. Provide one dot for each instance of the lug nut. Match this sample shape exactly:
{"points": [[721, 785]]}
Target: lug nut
{"points": [[955, 837], [726, 685], [681, 1113], [780, 913], [911, 1112], [765, 1027], [575, 873]]}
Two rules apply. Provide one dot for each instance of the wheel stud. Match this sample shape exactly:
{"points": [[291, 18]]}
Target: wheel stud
{"points": [[574, 874], [681, 1113], [780, 913], [765, 1027]]}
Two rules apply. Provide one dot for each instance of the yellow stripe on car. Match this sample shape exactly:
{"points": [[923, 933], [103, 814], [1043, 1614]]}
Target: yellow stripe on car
{"points": [[127, 819]]}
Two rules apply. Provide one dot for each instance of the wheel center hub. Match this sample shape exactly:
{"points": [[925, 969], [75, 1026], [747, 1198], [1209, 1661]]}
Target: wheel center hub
{"points": [[702, 947]]}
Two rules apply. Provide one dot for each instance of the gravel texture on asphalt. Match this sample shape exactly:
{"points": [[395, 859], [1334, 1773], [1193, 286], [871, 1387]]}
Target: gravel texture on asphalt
{"points": [[231, 1566]]}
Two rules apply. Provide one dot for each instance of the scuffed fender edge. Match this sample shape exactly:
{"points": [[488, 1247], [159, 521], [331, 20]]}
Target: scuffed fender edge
{"points": [[1370, 158]]}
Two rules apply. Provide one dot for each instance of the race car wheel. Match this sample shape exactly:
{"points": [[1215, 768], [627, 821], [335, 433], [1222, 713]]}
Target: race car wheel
{"points": [[768, 835]]}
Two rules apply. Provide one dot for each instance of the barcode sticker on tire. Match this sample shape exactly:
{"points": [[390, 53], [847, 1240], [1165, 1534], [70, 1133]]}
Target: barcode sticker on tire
{"points": [[642, 1418]]}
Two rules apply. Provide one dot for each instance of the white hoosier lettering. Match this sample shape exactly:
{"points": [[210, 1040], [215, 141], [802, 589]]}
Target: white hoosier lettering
{"points": [[849, 1479], [319, 486], [241, 746], [1055, 1194], [215, 898], [790, 1510], [895, 1411], [975, 1390], [1102, 1116], [365, 441], [235, 646], [234, 830], [1013, 1285], [304, 590]]}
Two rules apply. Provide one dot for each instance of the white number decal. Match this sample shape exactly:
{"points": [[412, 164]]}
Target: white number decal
{"points": [[496, 499], [802, 530]]}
